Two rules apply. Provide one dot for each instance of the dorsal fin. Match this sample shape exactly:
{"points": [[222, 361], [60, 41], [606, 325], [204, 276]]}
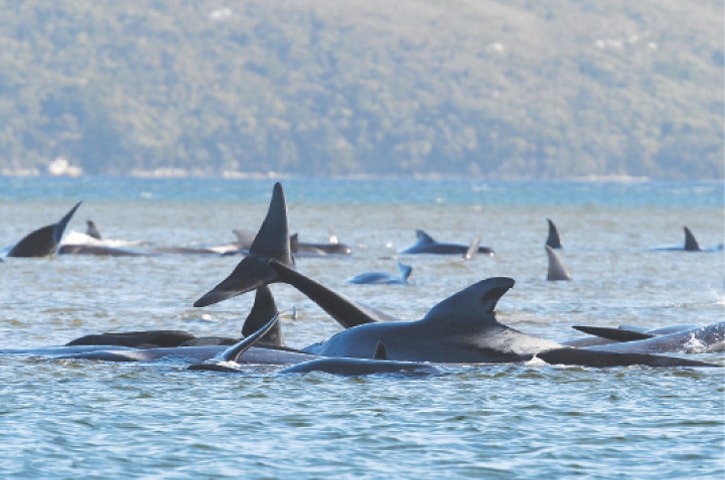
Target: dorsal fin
{"points": [[404, 270], [92, 230], [272, 240], [472, 251], [556, 270], [423, 237], [471, 307], [263, 309], [553, 240], [691, 244], [380, 353]]}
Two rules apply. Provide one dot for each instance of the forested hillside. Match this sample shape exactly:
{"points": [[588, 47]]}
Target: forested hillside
{"points": [[500, 88]]}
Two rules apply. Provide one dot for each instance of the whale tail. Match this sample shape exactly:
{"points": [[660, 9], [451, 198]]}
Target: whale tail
{"points": [[44, 241], [691, 243], [272, 243], [556, 270]]}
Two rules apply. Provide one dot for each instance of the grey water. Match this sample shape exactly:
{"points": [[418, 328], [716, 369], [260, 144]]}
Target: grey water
{"points": [[88, 419]]}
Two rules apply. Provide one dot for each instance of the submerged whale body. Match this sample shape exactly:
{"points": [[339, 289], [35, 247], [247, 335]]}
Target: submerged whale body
{"points": [[44, 241], [426, 244], [680, 339], [383, 278]]}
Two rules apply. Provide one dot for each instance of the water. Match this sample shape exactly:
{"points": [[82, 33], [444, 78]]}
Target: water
{"points": [[70, 419]]}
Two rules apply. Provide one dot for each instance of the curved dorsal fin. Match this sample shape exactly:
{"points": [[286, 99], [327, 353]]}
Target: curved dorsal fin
{"points": [[470, 308], [553, 240], [691, 244], [233, 353], [380, 353], [423, 237]]}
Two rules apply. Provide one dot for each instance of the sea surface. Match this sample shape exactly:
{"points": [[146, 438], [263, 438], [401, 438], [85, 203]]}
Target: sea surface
{"points": [[87, 419]]}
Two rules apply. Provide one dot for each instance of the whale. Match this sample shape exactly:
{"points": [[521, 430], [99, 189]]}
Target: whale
{"points": [[426, 244], [44, 241], [674, 339], [556, 270], [462, 328], [378, 364], [690, 245], [270, 260], [553, 239], [383, 278]]}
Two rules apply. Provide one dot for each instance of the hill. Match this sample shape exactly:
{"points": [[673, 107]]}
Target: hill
{"points": [[548, 89]]}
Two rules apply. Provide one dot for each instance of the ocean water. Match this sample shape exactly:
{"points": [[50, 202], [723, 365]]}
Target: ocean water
{"points": [[88, 419]]}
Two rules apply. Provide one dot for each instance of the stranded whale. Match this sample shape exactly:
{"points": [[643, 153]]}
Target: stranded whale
{"points": [[383, 278], [426, 244], [462, 328]]}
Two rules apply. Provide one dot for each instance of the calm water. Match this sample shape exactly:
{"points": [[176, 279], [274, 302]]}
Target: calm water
{"points": [[71, 419]]}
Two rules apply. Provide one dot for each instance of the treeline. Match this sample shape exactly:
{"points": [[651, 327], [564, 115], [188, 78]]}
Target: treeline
{"points": [[365, 87]]}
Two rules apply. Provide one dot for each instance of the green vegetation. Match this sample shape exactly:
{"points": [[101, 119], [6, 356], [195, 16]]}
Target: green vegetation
{"points": [[541, 89]]}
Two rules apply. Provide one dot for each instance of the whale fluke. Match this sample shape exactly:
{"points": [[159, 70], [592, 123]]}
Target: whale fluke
{"points": [[556, 270], [691, 244], [553, 240], [44, 241]]}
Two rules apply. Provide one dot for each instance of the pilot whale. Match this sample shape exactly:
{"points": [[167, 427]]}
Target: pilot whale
{"points": [[553, 239], [462, 328], [426, 244], [383, 278], [680, 338], [44, 241], [691, 244]]}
